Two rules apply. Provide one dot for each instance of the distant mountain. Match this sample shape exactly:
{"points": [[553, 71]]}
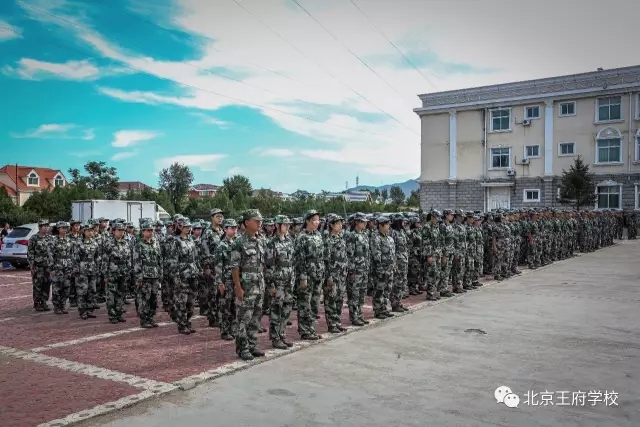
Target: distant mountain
{"points": [[407, 187]]}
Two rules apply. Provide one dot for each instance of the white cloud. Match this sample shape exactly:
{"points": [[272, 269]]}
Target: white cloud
{"points": [[204, 162], [127, 138], [8, 31], [32, 69], [273, 152], [58, 131], [453, 50], [235, 171], [213, 121], [123, 155]]}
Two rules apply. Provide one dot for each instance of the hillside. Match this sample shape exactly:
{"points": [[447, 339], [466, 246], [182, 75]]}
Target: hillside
{"points": [[407, 187]]}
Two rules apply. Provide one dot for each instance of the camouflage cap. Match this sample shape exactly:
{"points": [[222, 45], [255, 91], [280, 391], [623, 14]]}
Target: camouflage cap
{"points": [[215, 211], [117, 226], [477, 218], [91, 222], [252, 214], [197, 224], [43, 223], [128, 224], [282, 219], [447, 212], [268, 221], [168, 223], [184, 220], [469, 214], [62, 224], [310, 214], [458, 212], [383, 219], [147, 226], [298, 221], [103, 219], [436, 213], [229, 222], [415, 220], [75, 221], [176, 217], [333, 218], [359, 216], [158, 224]]}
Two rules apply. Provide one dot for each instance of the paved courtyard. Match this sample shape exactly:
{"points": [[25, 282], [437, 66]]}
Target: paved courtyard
{"points": [[570, 329]]}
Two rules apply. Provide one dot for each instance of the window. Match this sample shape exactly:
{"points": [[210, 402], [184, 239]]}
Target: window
{"points": [[501, 120], [567, 149], [531, 196], [33, 179], [608, 146], [532, 151], [637, 145], [609, 109], [609, 197], [500, 157], [567, 109], [58, 181], [532, 112]]}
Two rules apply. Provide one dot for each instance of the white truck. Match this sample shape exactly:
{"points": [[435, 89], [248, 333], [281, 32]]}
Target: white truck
{"points": [[132, 211]]}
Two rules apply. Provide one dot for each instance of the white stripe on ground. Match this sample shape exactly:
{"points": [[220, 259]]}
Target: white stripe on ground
{"points": [[15, 284], [18, 297]]}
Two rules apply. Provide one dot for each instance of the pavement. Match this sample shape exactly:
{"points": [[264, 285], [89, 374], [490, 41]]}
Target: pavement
{"points": [[563, 338]]}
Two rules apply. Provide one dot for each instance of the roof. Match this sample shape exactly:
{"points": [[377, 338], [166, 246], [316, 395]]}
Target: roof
{"points": [[205, 187], [132, 185], [10, 172]]}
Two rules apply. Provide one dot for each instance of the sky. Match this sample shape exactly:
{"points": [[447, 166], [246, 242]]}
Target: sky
{"points": [[294, 94]]}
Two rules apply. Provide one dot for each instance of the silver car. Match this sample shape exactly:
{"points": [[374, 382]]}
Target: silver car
{"points": [[14, 246]]}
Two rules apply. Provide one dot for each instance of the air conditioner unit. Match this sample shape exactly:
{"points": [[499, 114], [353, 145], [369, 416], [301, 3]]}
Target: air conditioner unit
{"points": [[526, 160], [526, 122], [511, 172]]}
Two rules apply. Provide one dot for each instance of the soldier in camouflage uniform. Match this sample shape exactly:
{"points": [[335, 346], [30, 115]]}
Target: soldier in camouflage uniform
{"points": [[309, 265], [336, 265], [209, 296], [86, 258], [415, 275], [103, 237], [116, 268], [459, 259], [184, 270], [383, 259], [434, 260], [147, 265], [39, 258], [247, 270], [500, 243], [279, 276], [449, 252], [223, 277], [202, 303], [61, 267], [166, 242], [470, 256], [401, 242], [359, 260], [75, 234], [478, 238], [632, 226]]}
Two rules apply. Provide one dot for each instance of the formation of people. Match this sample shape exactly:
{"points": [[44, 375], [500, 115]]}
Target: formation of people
{"points": [[236, 271]]}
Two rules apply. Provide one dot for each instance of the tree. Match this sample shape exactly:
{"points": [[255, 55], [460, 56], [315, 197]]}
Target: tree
{"points": [[397, 195], [577, 187], [99, 177], [414, 198], [384, 194], [176, 181], [235, 185]]}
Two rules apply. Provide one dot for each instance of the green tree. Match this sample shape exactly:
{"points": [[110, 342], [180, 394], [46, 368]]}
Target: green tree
{"points": [[384, 193], [176, 181], [237, 184], [577, 187], [414, 199], [99, 177], [397, 195]]}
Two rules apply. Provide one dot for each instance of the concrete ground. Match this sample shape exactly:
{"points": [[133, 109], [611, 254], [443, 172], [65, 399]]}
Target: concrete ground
{"points": [[572, 327]]}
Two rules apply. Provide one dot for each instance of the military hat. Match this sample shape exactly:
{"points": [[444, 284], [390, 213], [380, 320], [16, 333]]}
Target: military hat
{"points": [[90, 222], [117, 226], [239, 219], [128, 224], [168, 223], [147, 226], [103, 219], [359, 216], [282, 219], [309, 214], [184, 220], [252, 214], [158, 224], [229, 222], [177, 217], [298, 221], [62, 224], [477, 218], [383, 219], [333, 218], [268, 221], [43, 223], [469, 214], [197, 224], [415, 220], [323, 219], [215, 211], [446, 212], [75, 221]]}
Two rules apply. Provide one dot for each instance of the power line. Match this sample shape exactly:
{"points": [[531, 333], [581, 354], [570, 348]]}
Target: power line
{"points": [[347, 48], [393, 44], [65, 46], [320, 66], [318, 106]]}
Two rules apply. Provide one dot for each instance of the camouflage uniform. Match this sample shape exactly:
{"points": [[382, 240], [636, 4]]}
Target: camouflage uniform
{"points": [[432, 250], [222, 277], [86, 258], [75, 236], [500, 233], [116, 268], [147, 266], [61, 268], [184, 270], [359, 261], [279, 277], [336, 264], [247, 259], [401, 242], [166, 243], [459, 259], [208, 295], [309, 264], [383, 259], [448, 254], [39, 258], [415, 276]]}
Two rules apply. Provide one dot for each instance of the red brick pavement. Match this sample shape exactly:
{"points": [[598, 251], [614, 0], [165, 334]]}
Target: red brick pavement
{"points": [[31, 393]]}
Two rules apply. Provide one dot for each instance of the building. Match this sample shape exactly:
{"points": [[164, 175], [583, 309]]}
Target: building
{"points": [[22, 181], [126, 186], [358, 196], [508, 144], [203, 190]]}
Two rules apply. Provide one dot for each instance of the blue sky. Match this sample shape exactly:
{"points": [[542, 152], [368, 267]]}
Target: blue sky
{"points": [[259, 87]]}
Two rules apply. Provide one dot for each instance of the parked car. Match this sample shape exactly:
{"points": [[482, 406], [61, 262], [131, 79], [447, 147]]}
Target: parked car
{"points": [[14, 246]]}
